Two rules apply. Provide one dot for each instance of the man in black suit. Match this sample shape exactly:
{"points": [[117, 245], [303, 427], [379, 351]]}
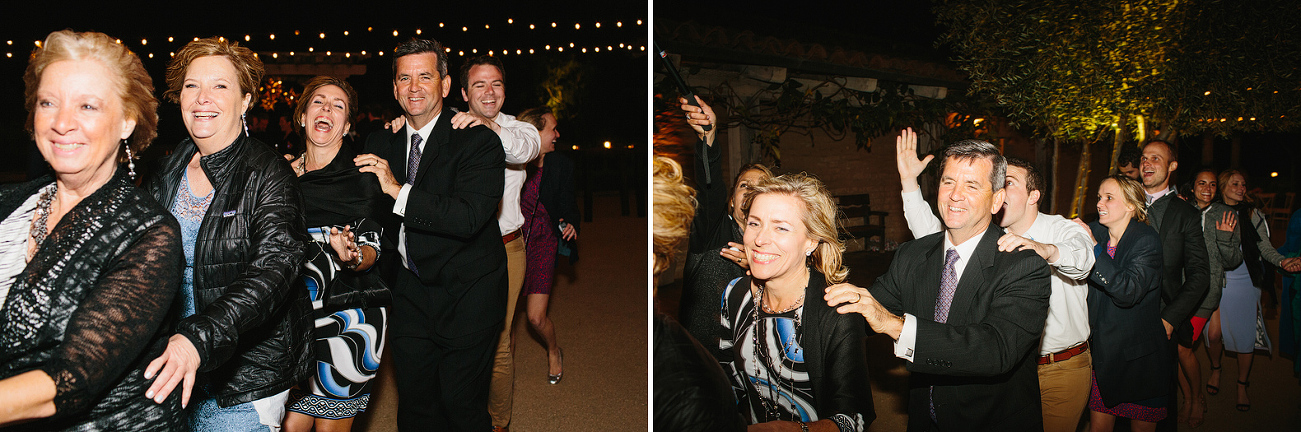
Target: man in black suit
{"points": [[965, 316], [450, 297], [1185, 270]]}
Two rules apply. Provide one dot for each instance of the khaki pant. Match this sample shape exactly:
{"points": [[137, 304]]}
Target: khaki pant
{"points": [[1064, 390], [503, 370]]}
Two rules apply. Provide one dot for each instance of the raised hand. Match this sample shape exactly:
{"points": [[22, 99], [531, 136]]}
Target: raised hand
{"points": [[1228, 222], [700, 116], [910, 166]]}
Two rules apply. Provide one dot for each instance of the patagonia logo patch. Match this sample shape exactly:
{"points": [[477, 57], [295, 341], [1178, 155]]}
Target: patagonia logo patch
{"points": [[228, 214]]}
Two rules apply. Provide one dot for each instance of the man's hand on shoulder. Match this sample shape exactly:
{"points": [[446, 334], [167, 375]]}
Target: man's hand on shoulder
{"points": [[468, 120]]}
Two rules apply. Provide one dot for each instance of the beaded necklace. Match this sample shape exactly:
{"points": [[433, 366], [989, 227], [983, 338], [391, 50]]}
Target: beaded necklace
{"points": [[771, 410], [40, 223]]}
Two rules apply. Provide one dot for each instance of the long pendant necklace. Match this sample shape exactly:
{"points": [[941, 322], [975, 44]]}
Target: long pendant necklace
{"points": [[771, 409]]}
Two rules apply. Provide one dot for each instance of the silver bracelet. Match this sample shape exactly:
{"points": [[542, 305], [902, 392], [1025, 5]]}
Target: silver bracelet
{"points": [[804, 427]]}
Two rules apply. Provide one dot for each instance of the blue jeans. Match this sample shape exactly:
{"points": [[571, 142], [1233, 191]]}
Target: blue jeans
{"points": [[261, 415]]}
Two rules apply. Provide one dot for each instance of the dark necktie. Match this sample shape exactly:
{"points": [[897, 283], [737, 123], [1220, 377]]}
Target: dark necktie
{"points": [[413, 159], [413, 164], [948, 284]]}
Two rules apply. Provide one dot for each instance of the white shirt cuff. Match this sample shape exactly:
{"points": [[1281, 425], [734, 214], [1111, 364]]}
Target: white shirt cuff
{"points": [[903, 348], [400, 205]]}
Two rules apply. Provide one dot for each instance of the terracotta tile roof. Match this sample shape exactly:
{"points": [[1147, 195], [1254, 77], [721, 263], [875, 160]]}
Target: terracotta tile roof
{"points": [[727, 45]]}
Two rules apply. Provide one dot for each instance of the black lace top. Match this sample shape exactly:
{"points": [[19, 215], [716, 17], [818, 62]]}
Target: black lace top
{"points": [[91, 309]]}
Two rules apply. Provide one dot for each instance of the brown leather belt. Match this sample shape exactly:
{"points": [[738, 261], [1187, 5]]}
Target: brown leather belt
{"points": [[1064, 354], [508, 237]]}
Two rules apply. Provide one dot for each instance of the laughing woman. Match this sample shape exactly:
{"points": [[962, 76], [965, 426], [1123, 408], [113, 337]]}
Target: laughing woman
{"points": [[350, 323], [796, 365], [245, 330]]}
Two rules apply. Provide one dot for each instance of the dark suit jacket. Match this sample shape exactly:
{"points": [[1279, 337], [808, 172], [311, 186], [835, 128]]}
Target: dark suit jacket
{"points": [[1130, 355], [981, 362], [452, 235], [1185, 273], [556, 192]]}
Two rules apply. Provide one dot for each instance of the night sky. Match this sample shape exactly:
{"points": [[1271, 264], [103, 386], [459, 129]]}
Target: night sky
{"points": [[611, 105]]}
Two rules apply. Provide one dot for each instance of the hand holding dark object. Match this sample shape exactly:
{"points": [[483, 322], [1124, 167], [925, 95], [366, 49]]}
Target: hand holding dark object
{"points": [[567, 231], [701, 118]]}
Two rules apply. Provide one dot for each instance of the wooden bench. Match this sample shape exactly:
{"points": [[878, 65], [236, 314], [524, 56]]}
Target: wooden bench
{"points": [[860, 221]]}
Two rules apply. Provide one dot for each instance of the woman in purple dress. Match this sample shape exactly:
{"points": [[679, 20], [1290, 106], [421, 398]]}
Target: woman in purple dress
{"points": [[550, 221]]}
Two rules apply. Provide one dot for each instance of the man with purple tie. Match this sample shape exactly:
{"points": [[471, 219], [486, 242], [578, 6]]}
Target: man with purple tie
{"points": [[966, 317], [449, 299]]}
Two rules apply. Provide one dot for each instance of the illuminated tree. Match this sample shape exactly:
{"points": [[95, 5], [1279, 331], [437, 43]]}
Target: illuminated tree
{"points": [[1130, 70]]}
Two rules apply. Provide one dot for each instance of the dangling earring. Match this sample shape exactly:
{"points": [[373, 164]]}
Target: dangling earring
{"points": [[130, 160], [244, 118]]}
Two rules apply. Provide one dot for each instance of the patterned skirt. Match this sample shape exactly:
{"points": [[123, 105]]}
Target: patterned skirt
{"points": [[1151, 410]]}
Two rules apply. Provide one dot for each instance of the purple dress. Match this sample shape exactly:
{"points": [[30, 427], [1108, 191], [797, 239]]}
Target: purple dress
{"points": [[539, 238]]}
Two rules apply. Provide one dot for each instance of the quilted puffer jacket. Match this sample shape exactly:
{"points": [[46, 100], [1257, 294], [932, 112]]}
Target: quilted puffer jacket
{"points": [[253, 326]]}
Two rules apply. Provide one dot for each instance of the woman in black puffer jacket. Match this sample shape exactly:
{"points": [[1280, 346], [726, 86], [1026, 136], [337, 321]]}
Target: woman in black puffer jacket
{"points": [[246, 325]]}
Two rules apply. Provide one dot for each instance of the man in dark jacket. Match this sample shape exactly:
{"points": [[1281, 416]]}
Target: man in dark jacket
{"points": [[1185, 274], [965, 316], [450, 297]]}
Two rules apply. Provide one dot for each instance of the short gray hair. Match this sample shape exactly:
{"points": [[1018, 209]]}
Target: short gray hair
{"points": [[971, 149]]}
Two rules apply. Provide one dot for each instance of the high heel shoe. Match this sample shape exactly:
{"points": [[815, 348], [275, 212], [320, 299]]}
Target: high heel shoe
{"points": [[553, 379], [1210, 389], [1244, 407]]}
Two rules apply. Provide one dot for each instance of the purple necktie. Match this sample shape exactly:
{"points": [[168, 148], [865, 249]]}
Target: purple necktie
{"points": [[413, 159], [413, 164], [948, 284]]}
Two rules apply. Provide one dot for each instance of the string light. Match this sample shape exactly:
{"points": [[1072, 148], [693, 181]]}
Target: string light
{"points": [[295, 32], [607, 144], [196, 39], [322, 35], [151, 55], [584, 50], [521, 52], [447, 49], [1208, 93], [510, 21], [598, 25], [169, 38], [418, 31], [273, 36], [9, 42], [328, 53], [275, 55], [461, 53], [246, 38], [465, 29], [531, 27], [548, 47], [618, 24], [638, 22], [560, 49], [119, 41], [363, 53], [144, 41], [474, 50], [395, 33], [553, 25], [489, 53], [571, 44], [370, 29], [11, 55], [381, 53], [577, 26], [311, 49], [531, 52], [440, 25], [485, 26], [345, 32]]}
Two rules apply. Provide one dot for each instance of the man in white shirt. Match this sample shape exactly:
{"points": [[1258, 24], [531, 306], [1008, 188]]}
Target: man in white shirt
{"points": [[965, 316], [1064, 360], [483, 87]]}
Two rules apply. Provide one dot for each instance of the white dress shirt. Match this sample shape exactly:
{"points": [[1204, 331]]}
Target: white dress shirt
{"points": [[400, 205], [1068, 311], [522, 144], [904, 347]]}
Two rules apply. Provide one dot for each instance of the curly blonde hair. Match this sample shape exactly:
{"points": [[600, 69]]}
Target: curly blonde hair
{"points": [[819, 216], [673, 208], [133, 84]]}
